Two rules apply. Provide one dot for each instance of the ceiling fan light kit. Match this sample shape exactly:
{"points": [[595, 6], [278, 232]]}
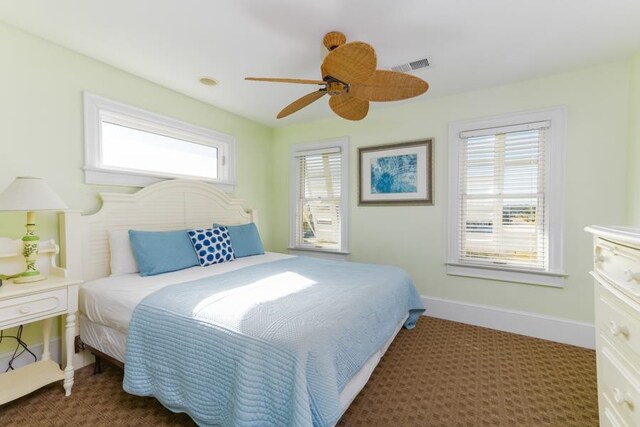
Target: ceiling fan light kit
{"points": [[334, 39], [350, 78]]}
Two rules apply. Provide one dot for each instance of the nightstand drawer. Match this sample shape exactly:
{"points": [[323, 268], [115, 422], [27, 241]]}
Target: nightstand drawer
{"points": [[23, 309]]}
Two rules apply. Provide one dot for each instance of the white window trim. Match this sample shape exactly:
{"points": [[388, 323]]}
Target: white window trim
{"points": [[294, 181], [95, 173], [554, 180]]}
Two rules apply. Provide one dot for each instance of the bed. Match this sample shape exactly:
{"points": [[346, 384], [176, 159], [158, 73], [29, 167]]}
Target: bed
{"points": [[268, 339]]}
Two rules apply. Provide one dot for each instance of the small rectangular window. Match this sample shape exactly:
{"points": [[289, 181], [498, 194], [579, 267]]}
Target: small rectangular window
{"points": [[128, 146], [137, 150]]}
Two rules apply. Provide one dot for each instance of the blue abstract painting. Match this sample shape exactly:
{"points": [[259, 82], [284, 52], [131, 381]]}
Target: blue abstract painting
{"points": [[394, 174]]}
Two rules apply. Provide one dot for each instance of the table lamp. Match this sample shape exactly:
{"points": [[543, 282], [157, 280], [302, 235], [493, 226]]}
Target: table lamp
{"points": [[30, 195]]}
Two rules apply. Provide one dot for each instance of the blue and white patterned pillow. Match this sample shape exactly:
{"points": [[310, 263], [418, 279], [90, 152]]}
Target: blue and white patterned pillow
{"points": [[212, 245]]}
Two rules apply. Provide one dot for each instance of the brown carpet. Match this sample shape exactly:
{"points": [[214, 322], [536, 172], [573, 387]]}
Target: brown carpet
{"points": [[440, 374]]}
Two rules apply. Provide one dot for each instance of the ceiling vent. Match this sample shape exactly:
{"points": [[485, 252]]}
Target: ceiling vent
{"points": [[411, 66]]}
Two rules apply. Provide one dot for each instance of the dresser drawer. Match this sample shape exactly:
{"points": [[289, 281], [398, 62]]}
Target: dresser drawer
{"points": [[609, 417], [620, 387], [619, 323], [23, 309], [618, 264]]}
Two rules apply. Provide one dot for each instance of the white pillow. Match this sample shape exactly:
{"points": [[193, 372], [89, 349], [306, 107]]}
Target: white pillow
{"points": [[122, 259]]}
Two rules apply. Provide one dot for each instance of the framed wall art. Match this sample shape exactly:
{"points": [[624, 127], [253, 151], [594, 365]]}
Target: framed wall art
{"points": [[396, 174]]}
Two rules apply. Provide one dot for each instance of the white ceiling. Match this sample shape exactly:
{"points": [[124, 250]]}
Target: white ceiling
{"points": [[471, 44]]}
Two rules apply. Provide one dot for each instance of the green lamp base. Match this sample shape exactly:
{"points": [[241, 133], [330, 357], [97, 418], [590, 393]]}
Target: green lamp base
{"points": [[28, 277], [30, 252]]}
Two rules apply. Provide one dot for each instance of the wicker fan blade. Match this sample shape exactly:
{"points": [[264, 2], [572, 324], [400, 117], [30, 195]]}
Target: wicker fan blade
{"points": [[349, 107], [278, 80], [301, 103], [389, 86], [350, 63]]}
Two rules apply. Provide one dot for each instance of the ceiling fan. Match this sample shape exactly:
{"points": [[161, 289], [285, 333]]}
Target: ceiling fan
{"points": [[350, 78]]}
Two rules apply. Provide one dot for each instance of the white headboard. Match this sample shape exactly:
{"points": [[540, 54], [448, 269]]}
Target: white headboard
{"points": [[168, 205]]}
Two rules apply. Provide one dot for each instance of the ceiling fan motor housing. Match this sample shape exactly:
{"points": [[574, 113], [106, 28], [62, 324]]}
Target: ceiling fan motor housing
{"points": [[334, 88]]}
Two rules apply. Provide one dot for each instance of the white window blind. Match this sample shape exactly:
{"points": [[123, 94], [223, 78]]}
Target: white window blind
{"points": [[318, 199], [502, 220]]}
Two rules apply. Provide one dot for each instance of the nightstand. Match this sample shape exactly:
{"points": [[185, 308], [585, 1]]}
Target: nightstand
{"points": [[30, 302]]}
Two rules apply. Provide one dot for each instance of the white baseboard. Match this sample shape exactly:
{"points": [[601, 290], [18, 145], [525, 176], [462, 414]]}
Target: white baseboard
{"points": [[565, 331]]}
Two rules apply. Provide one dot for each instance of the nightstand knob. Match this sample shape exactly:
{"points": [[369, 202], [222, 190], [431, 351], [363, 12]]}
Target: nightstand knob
{"points": [[26, 309]]}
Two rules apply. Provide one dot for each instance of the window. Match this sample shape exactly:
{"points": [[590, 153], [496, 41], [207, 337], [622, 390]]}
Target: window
{"points": [[506, 197], [129, 146], [319, 196]]}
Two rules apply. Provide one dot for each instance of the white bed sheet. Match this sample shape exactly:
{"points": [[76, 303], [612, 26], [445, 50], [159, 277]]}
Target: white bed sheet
{"points": [[110, 301], [103, 338]]}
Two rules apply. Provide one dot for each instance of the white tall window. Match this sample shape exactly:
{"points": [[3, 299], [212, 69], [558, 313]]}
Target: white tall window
{"points": [[506, 198], [319, 196], [129, 146]]}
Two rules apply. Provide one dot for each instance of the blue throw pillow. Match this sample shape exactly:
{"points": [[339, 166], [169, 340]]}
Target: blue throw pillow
{"points": [[245, 240], [212, 245], [162, 251]]}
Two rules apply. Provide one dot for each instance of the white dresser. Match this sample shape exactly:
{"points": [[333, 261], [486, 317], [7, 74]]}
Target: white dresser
{"points": [[616, 270]]}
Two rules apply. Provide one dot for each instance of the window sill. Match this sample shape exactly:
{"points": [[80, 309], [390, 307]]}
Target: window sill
{"points": [[133, 179], [551, 279], [319, 253]]}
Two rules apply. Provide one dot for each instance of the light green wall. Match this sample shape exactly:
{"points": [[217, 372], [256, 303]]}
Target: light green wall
{"points": [[41, 134], [41, 128], [414, 237], [633, 188]]}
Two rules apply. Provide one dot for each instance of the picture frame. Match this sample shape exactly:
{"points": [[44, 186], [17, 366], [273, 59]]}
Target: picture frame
{"points": [[396, 174]]}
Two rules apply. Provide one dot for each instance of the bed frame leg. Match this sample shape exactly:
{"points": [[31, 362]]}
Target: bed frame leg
{"points": [[97, 367]]}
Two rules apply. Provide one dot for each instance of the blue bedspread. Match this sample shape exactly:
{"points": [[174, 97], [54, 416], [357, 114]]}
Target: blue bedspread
{"points": [[268, 345]]}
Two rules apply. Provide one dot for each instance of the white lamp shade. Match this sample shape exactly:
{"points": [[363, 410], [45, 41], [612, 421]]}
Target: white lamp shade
{"points": [[30, 194]]}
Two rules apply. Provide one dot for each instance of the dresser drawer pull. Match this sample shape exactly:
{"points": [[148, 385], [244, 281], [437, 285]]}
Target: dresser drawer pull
{"points": [[618, 329], [606, 247], [615, 252], [630, 276], [24, 310], [621, 398]]}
